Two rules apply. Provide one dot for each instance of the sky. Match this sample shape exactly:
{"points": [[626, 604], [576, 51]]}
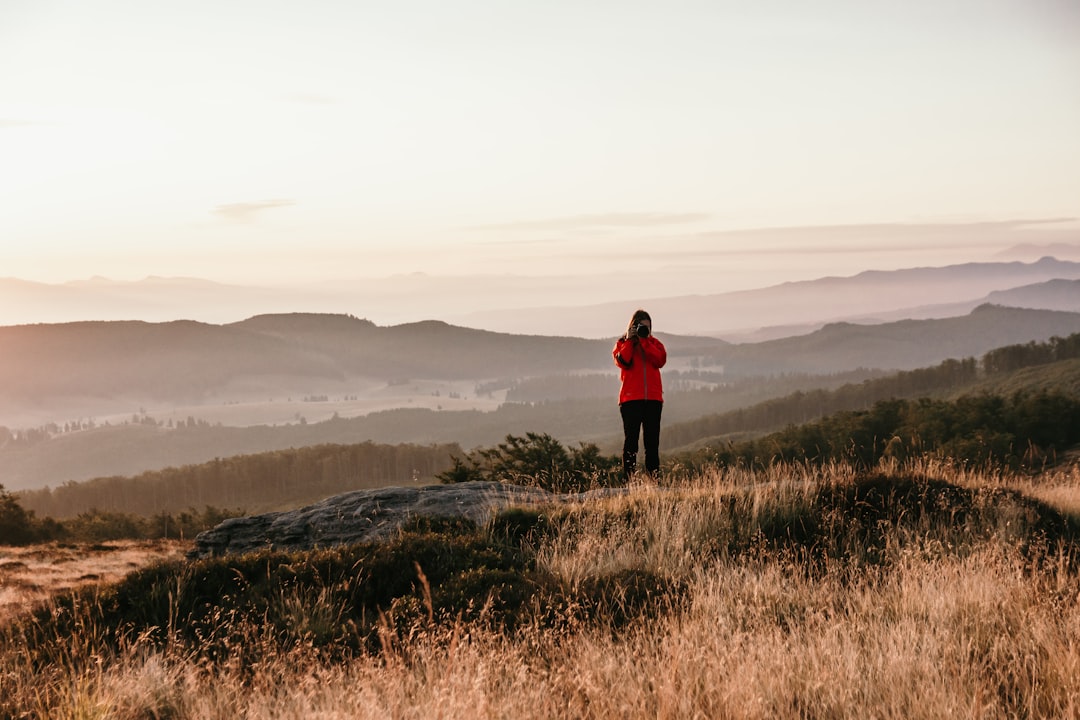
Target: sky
{"points": [[681, 145]]}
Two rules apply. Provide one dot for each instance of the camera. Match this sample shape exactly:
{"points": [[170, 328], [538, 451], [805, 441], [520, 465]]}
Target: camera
{"points": [[641, 330]]}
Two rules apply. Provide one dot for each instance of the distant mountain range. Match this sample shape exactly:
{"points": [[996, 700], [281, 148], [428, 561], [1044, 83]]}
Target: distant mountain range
{"points": [[76, 370], [190, 362], [891, 320], [798, 307], [898, 345], [567, 306], [37, 459], [1061, 295], [117, 361], [65, 368]]}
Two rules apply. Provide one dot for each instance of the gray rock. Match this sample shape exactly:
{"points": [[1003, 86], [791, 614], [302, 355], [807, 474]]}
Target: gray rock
{"points": [[369, 516]]}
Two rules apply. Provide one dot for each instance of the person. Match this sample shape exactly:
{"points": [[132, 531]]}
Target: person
{"points": [[640, 356]]}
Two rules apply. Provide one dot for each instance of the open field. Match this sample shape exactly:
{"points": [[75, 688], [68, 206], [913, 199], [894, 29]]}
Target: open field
{"points": [[30, 575], [796, 592]]}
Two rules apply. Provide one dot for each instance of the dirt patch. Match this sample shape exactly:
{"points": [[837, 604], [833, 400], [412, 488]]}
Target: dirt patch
{"points": [[29, 575]]}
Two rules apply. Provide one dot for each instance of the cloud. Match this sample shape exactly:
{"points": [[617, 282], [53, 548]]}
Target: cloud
{"points": [[875, 237], [310, 99], [609, 220], [14, 122], [546, 242], [245, 212], [1060, 250], [848, 240]]}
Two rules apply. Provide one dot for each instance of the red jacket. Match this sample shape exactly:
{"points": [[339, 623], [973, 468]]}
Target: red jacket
{"points": [[640, 365]]}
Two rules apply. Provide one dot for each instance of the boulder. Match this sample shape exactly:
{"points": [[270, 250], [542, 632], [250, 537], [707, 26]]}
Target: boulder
{"points": [[369, 516]]}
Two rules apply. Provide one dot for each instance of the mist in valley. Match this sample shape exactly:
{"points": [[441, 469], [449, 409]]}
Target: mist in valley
{"points": [[91, 399]]}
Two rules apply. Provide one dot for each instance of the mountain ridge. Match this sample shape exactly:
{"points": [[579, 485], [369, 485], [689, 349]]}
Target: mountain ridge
{"points": [[801, 302], [519, 304], [189, 361], [110, 368]]}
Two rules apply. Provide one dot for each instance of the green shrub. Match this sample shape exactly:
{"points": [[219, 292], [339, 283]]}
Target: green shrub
{"points": [[16, 524], [539, 460]]}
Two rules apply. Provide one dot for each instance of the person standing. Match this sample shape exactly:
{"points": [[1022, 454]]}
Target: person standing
{"points": [[640, 356]]}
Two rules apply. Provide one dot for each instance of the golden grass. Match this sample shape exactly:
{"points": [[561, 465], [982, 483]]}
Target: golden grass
{"points": [[933, 634], [33, 574], [1059, 488]]}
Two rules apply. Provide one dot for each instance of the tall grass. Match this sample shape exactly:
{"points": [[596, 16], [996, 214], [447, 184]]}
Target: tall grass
{"points": [[922, 592]]}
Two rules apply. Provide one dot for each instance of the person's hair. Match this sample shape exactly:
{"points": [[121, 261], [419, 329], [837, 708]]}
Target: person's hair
{"points": [[638, 316]]}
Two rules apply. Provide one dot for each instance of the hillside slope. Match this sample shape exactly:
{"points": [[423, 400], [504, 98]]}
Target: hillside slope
{"points": [[190, 362], [186, 361], [902, 345], [795, 303], [950, 380]]}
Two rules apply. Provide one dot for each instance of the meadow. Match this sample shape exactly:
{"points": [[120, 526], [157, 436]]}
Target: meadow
{"points": [[35, 573], [915, 591]]}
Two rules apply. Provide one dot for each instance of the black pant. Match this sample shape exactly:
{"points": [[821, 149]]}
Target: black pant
{"points": [[638, 414]]}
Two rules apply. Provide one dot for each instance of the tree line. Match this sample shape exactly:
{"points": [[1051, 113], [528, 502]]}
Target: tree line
{"points": [[801, 407], [19, 526], [258, 481], [28, 437], [1021, 430], [283, 477], [1016, 357], [1025, 429], [946, 378]]}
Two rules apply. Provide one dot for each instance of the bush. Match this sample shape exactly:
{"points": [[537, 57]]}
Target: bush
{"points": [[17, 526], [539, 460]]}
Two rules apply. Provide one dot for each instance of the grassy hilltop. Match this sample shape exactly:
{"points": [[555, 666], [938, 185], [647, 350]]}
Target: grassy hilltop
{"points": [[916, 591]]}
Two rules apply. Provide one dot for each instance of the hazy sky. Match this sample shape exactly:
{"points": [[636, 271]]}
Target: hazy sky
{"points": [[260, 141]]}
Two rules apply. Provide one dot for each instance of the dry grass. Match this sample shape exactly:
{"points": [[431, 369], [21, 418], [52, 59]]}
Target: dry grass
{"points": [[1060, 488], [931, 633], [33, 574]]}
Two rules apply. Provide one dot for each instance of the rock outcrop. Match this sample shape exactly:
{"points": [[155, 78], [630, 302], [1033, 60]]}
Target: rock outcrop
{"points": [[369, 516]]}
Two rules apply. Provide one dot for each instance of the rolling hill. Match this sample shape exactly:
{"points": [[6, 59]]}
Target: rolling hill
{"points": [[332, 341], [186, 361], [901, 345], [190, 362], [306, 471], [805, 304], [568, 305]]}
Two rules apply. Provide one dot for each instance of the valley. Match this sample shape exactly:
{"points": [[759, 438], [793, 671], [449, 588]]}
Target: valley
{"points": [[91, 399]]}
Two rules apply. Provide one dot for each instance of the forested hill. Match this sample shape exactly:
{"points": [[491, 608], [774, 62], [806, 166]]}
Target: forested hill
{"points": [[429, 349], [1032, 389], [45, 365], [257, 482], [902, 345], [873, 293], [186, 361], [1029, 368]]}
